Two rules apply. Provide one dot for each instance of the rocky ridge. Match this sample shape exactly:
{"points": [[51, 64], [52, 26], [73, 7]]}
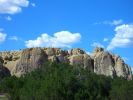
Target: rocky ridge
{"points": [[100, 62]]}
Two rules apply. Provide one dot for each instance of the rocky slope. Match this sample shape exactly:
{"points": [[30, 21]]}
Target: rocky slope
{"points": [[100, 62]]}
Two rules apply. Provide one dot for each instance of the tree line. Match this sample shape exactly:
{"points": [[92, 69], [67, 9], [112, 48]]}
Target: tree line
{"points": [[61, 81]]}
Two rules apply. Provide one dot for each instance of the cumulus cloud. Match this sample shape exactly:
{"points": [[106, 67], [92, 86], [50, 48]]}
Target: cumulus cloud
{"points": [[123, 37], [12, 6], [2, 37], [59, 39], [97, 44]]}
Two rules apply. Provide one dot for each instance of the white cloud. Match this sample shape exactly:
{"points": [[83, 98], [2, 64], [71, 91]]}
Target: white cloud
{"points": [[12, 6], [8, 18], [97, 44], [105, 39], [60, 39], [123, 37], [2, 37], [14, 38]]}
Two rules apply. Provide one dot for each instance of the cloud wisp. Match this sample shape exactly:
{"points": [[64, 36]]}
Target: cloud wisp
{"points": [[105, 39], [111, 23], [8, 18], [33, 4], [59, 39], [15, 38]]}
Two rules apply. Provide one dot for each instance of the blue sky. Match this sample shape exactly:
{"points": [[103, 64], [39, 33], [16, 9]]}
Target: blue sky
{"points": [[67, 24]]}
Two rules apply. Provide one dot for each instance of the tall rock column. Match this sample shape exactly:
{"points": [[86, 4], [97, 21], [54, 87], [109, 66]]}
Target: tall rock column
{"points": [[122, 69], [103, 62]]}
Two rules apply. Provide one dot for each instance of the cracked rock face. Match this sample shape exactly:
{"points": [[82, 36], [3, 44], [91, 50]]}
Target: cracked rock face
{"points": [[110, 65], [82, 60], [101, 62], [104, 64], [30, 59], [121, 68]]}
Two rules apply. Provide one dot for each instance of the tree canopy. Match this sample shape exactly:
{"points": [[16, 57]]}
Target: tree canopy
{"points": [[61, 81]]}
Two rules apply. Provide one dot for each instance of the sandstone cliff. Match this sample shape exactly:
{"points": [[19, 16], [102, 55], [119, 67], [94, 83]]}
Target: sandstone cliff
{"points": [[100, 62]]}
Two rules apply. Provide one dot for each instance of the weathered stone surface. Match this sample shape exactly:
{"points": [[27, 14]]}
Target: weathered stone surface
{"points": [[100, 62], [50, 51], [76, 51], [83, 60], [110, 65], [122, 69], [103, 63], [10, 59], [30, 59]]}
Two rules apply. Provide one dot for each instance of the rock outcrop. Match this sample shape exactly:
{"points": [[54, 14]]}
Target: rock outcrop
{"points": [[121, 68], [110, 65], [3, 70], [30, 59], [100, 62], [103, 62], [80, 58]]}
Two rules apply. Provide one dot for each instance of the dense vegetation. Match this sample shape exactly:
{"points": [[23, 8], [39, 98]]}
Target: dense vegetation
{"points": [[55, 81]]}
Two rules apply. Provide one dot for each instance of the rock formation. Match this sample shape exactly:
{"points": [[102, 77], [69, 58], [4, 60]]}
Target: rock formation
{"points": [[30, 59], [80, 58], [3, 70], [101, 62], [110, 65]]}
